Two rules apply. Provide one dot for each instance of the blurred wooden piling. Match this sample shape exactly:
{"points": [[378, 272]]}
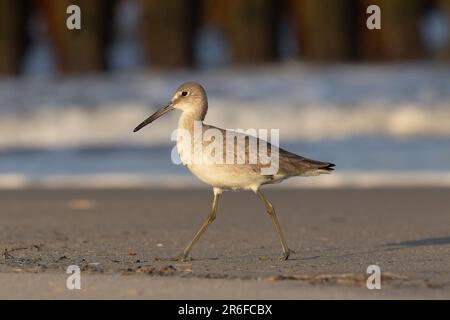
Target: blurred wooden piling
{"points": [[324, 29], [444, 5], [399, 37], [168, 31], [251, 30], [13, 34], [327, 30], [80, 50]]}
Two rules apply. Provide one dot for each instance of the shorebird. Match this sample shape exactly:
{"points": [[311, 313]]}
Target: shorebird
{"points": [[190, 98]]}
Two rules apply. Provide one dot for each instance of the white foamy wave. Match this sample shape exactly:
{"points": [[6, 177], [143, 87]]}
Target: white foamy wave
{"points": [[75, 127], [305, 103], [315, 122]]}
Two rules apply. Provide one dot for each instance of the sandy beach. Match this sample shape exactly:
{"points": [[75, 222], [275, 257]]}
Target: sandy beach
{"points": [[122, 241]]}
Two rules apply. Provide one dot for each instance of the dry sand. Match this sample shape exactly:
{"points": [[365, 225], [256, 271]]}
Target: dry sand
{"points": [[122, 239]]}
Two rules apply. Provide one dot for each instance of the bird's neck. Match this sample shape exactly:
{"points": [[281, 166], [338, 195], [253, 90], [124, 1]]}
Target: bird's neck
{"points": [[188, 120], [190, 129]]}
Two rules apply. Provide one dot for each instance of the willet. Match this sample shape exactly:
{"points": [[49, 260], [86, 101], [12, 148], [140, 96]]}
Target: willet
{"points": [[191, 99]]}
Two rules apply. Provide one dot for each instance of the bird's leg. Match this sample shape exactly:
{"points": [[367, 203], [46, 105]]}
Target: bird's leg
{"points": [[276, 224], [202, 229]]}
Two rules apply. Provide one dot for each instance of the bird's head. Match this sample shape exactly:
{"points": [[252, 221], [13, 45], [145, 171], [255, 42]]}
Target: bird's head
{"points": [[190, 97]]}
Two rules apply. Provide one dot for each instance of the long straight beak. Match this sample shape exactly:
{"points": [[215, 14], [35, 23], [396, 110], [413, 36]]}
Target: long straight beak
{"points": [[155, 116]]}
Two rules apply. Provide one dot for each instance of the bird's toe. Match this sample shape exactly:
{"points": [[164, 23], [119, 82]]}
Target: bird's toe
{"points": [[286, 255], [181, 258]]}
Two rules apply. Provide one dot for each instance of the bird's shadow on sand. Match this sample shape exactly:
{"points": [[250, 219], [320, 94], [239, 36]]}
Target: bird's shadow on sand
{"points": [[394, 246], [417, 243]]}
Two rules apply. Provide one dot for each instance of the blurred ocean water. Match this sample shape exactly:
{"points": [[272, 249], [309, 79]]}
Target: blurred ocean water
{"points": [[378, 123]]}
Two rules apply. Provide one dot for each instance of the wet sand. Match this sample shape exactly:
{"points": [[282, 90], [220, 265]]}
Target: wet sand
{"points": [[122, 241]]}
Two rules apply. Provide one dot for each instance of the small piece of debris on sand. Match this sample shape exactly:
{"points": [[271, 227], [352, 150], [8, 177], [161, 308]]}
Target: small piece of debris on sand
{"points": [[166, 270], [81, 204]]}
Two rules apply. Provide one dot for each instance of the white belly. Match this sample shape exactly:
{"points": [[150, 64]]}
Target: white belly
{"points": [[227, 176]]}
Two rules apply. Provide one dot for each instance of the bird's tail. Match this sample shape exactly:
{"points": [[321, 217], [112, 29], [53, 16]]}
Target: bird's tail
{"points": [[294, 164], [328, 167], [309, 167]]}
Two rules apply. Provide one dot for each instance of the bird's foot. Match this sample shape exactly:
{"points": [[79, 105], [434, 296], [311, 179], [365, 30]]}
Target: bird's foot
{"points": [[181, 258], [286, 254]]}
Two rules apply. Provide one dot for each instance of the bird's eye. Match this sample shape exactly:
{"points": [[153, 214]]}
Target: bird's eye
{"points": [[184, 93]]}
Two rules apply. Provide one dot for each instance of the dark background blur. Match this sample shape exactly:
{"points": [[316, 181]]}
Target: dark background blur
{"points": [[131, 34]]}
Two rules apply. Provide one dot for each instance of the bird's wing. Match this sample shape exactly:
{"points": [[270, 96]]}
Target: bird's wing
{"points": [[237, 148], [258, 154]]}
